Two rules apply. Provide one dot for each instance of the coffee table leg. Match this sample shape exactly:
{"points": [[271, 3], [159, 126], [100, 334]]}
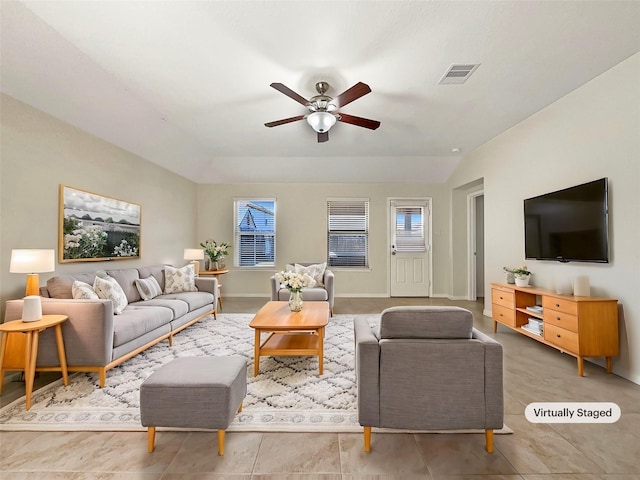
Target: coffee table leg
{"points": [[321, 350], [256, 355]]}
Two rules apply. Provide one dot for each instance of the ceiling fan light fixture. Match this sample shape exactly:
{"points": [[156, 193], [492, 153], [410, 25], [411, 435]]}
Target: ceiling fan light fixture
{"points": [[321, 121]]}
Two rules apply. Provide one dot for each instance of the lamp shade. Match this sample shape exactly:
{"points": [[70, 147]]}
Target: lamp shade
{"points": [[32, 261], [321, 121], [193, 254]]}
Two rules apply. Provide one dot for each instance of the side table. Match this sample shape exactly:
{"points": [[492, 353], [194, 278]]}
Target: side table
{"points": [[216, 273], [32, 331]]}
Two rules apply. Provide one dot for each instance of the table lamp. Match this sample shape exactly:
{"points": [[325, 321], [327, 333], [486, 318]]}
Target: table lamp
{"points": [[195, 255], [32, 261]]}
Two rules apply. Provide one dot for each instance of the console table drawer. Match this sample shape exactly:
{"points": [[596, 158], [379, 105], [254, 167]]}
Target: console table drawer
{"points": [[562, 320], [560, 305], [503, 315], [502, 298], [561, 338]]}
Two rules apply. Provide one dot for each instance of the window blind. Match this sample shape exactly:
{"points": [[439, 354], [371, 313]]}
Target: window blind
{"points": [[410, 229], [348, 233]]}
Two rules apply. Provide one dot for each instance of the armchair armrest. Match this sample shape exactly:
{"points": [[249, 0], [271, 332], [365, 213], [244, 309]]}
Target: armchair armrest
{"points": [[275, 287], [494, 394], [367, 372]]}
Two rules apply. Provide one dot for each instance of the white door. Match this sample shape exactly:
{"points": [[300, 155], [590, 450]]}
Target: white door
{"points": [[409, 248]]}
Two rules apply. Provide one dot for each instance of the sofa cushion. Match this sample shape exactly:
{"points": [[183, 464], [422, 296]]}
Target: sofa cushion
{"points": [[195, 300], [126, 279], [61, 285], [135, 321], [83, 291], [148, 288], [155, 271], [315, 294], [315, 271], [108, 288], [426, 322], [177, 307], [179, 279]]}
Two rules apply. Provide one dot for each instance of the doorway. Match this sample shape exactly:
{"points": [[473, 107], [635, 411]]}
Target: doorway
{"points": [[475, 270], [410, 247]]}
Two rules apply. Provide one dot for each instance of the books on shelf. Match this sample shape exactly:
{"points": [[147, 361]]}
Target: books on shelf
{"points": [[529, 329], [535, 326], [535, 308]]}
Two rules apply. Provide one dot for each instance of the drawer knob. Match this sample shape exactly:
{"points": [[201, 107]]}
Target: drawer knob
{"points": [[557, 304], [558, 318], [558, 335]]}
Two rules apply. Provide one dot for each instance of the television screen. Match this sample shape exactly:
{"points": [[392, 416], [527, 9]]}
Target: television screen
{"points": [[568, 225]]}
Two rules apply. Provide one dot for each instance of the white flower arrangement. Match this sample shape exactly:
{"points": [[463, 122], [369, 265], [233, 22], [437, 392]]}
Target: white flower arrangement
{"points": [[293, 281]]}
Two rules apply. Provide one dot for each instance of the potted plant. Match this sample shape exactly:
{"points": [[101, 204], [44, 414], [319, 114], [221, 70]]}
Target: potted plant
{"points": [[216, 253], [522, 276]]}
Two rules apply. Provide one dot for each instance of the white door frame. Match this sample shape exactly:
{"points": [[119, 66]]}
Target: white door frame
{"points": [[471, 244], [428, 239]]}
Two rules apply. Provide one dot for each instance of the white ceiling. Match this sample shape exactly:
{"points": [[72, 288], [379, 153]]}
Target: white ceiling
{"points": [[185, 84]]}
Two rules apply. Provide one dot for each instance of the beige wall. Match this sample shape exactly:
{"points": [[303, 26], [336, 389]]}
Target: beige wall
{"points": [[39, 152], [301, 216], [593, 132]]}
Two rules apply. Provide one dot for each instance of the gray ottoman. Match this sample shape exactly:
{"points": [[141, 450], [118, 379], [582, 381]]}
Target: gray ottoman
{"points": [[194, 392]]}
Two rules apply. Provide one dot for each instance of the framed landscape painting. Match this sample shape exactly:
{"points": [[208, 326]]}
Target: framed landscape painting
{"points": [[93, 227]]}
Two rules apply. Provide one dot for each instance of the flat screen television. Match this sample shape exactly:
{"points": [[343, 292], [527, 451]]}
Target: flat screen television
{"points": [[570, 225]]}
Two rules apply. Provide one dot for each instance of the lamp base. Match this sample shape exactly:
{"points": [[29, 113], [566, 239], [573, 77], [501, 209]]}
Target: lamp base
{"points": [[33, 284], [196, 267]]}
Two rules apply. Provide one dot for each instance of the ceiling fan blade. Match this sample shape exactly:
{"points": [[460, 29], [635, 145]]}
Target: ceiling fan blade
{"points": [[290, 93], [358, 90], [284, 120], [359, 121], [323, 137]]}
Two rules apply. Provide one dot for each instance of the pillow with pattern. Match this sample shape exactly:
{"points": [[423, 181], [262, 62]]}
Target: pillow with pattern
{"points": [[83, 291], [148, 287], [108, 288], [315, 271], [178, 280]]}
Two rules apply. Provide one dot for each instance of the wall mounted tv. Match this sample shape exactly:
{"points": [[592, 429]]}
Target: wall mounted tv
{"points": [[569, 225]]}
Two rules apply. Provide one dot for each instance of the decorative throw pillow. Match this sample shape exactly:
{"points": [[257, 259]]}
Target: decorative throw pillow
{"points": [[83, 291], [148, 287], [315, 271], [178, 280], [108, 288]]}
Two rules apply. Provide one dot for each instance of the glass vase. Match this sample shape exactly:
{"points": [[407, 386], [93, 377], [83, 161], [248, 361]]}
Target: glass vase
{"points": [[295, 301]]}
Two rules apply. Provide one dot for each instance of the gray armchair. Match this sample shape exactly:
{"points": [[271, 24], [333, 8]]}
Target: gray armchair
{"points": [[322, 293], [427, 368]]}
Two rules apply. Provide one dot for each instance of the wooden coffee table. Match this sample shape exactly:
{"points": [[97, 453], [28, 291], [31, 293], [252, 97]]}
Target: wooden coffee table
{"points": [[290, 333]]}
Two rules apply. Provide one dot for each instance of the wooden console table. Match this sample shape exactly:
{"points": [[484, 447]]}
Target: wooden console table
{"points": [[32, 331], [579, 326]]}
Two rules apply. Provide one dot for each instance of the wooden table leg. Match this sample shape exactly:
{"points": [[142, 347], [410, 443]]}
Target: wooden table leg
{"points": [[3, 347], [321, 350], [30, 358], [495, 326], [580, 366], [256, 354], [62, 357], [608, 360]]}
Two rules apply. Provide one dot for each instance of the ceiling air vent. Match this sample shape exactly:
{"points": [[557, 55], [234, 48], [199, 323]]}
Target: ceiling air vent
{"points": [[458, 74]]}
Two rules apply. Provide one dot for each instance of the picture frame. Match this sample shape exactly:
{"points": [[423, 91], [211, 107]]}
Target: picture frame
{"points": [[94, 227]]}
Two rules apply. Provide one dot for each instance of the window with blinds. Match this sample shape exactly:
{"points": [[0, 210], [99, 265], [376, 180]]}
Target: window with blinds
{"points": [[410, 229], [348, 233], [255, 233]]}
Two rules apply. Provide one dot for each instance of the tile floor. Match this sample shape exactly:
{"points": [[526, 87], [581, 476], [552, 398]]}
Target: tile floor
{"points": [[532, 372]]}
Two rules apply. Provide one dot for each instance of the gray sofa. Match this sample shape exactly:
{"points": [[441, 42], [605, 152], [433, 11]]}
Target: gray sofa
{"points": [[427, 368], [95, 339]]}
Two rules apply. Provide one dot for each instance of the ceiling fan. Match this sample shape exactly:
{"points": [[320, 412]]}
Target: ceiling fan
{"points": [[323, 110]]}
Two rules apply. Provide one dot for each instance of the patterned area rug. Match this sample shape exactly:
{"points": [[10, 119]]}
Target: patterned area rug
{"points": [[288, 395]]}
